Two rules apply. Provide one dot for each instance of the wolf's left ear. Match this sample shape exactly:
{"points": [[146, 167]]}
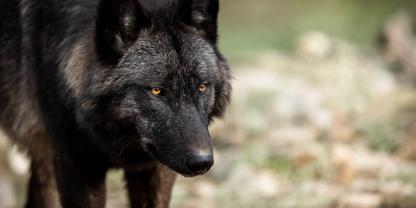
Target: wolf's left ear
{"points": [[204, 15], [117, 26]]}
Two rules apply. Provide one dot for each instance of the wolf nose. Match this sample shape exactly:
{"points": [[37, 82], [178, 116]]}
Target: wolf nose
{"points": [[199, 164]]}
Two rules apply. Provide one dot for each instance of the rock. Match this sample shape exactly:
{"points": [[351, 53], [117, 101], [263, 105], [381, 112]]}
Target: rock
{"points": [[396, 188], [290, 136], [257, 183], [266, 185], [342, 160], [301, 101], [321, 118], [360, 200], [203, 195], [249, 83], [320, 188], [365, 185], [387, 188], [383, 84], [375, 165], [356, 162], [341, 129], [299, 144], [315, 45], [7, 194], [18, 162], [205, 190]]}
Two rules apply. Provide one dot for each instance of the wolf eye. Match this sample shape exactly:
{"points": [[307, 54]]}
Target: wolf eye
{"points": [[202, 87], [156, 90]]}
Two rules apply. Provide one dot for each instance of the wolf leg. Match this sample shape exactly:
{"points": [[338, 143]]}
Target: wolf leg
{"points": [[42, 187], [151, 187], [79, 186], [42, 192]]}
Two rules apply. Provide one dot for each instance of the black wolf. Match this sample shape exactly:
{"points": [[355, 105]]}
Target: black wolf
{"points": [[86, 86]]}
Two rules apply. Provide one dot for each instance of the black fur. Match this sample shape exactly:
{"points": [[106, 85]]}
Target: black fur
{"points": [[75, 91]]}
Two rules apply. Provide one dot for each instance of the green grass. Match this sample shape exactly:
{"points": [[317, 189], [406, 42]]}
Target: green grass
{"points": [[285, 166], [381, 135]]}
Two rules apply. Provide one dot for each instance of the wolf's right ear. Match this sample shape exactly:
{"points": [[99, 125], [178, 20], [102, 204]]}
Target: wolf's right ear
{"points": [[204, 17], [117, 27]]}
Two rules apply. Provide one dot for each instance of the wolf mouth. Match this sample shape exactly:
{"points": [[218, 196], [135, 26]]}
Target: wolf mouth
{"points": [[151, 149]]}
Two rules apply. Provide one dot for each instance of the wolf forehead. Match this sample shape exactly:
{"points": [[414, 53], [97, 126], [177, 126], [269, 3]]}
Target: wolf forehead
{"points": [[157, 55]]}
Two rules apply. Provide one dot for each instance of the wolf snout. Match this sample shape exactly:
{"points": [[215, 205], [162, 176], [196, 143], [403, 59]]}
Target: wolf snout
{"points": [[199, 164]]}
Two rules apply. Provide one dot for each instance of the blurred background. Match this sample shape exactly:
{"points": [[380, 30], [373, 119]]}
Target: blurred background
{"points": [[323, 112]]}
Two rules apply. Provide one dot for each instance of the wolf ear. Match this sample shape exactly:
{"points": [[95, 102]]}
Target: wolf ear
{"points": [[204, 15], [117, 26]]}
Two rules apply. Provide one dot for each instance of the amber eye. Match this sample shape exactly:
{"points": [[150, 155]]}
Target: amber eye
{"points": [[156, 90], [202, 88]]}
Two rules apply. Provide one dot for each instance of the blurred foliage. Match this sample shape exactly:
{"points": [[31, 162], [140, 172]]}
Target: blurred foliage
{"points": [[248, 27], [381, 135]]}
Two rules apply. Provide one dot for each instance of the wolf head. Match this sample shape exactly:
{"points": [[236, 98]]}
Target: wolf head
{"points": [[158, 81]]}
